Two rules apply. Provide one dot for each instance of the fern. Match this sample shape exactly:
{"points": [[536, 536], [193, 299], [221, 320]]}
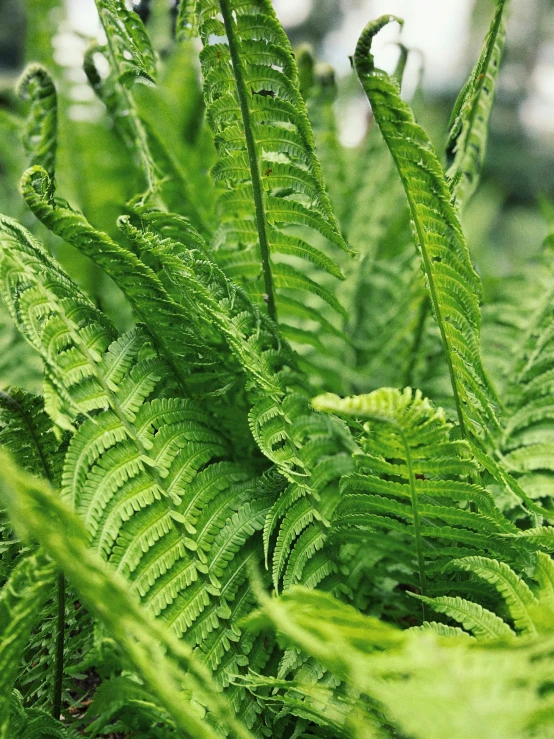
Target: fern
{"points": [[150, 647], [453, 285], [467, 139], [421, 677], [410, 479], [184, 458], [41, 135], [267, 163], [164, 318]]}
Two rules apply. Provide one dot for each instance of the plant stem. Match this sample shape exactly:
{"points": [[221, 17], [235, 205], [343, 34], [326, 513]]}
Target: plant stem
{"points": [[58, 679], [257, 188], [417, 524], [421, 236]]}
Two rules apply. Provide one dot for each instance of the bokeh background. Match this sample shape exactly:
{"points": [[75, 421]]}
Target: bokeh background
{"points": [[445, 36]]}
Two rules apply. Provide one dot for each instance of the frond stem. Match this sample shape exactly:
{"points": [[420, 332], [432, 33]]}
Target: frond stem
{"points": [[257, 188], [417, 523], [436, 304]]}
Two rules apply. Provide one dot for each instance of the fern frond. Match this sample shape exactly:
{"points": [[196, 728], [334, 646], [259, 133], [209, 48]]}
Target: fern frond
{"points": [[267, 165], [454, 287], [311, 454], [213, 301], [62, 324], [515, 591], [128, 41], [21, 601], [473, 617], [408, 486], [41, 131], [468, 127], [150, 648], [165, 319]]}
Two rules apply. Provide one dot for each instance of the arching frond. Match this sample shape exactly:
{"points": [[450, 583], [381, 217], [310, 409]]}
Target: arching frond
{"points": [[213, 300], [473, 617], [515, 591], [454, 287], [50, 311], [164, 318]]}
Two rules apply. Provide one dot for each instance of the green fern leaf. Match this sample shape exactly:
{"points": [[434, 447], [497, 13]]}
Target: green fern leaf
{"points": [[468, 128], [50, 311], [150, 647], [405, 493], [192, 277], [21, 600], [473, 617], [41, 133], [164, 318], [128, 41], [267, 160], [517, 594], [454, 288]]}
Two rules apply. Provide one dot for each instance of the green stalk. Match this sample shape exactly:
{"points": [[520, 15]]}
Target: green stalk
{"points": [[417, 522], [58, 679], [257, 188], [434, 300]]}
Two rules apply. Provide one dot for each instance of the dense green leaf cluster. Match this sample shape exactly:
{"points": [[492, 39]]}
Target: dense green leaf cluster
{"points": [[228, 513]]}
